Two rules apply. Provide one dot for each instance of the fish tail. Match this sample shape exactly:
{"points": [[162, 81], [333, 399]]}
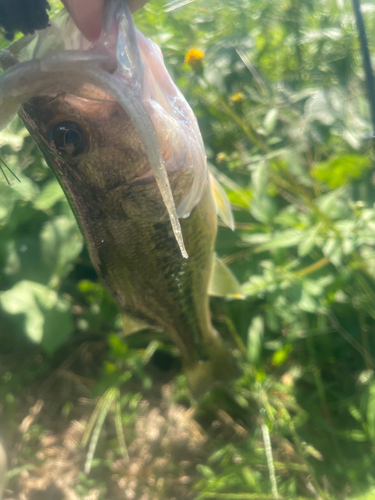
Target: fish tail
{"points": [[220, 368]]}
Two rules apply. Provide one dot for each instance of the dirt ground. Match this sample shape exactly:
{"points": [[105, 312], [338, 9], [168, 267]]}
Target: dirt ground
{"points": [[164, 441]]}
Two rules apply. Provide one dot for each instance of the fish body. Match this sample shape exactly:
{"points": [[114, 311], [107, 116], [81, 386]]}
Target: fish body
{"points": [[125, 223], [97, 129]]}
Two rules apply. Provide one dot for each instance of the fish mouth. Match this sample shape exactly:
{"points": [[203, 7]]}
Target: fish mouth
{"points": [[144, 180], [148, 178]]}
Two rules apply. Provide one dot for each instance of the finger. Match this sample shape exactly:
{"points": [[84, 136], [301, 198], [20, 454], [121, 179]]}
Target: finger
{"points": [[87, 15]]}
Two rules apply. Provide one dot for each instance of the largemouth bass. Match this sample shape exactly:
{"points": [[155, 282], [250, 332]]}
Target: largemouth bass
{"points": [[126, 148]]}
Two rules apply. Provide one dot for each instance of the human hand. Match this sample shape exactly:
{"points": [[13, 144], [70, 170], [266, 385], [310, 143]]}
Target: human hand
{"points": [[87, 15]]}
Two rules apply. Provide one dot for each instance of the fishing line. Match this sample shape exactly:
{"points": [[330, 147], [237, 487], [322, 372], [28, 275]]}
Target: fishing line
{"points": [[10, 170]]}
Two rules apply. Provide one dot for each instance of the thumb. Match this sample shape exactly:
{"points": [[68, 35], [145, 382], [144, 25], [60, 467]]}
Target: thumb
{"points": [[87, 15]]}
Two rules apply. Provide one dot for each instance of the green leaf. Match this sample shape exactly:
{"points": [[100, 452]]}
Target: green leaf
{"points": [[257, 238], [280, 356], [262, 207], [370, 413], [335, 203], [241, 198], [26, 190], [258, 285], [255, 339], [318, 108], [315, 287], [218, 63], [321, 34], [354, 435], [7, 202], [217, 455], [12, 137], [270, 120], [367, 496], [206, 471], [341, 170], [235, 193], [285, 239], [47, 317], [307, 302], [50, 194], [333, 251], [61, 243], [355, 413], [307, 244], [251, 477]]}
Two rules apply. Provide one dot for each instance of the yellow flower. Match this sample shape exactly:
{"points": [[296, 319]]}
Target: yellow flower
{"points": [[237, 97], [194, 57], [220, 157]]}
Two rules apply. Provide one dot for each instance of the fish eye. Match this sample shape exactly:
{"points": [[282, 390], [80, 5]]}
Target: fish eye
{"points": [[68, 138]]}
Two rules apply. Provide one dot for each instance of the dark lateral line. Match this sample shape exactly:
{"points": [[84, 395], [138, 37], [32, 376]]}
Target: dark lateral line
{"points": [[366, 58], [11, 171]]}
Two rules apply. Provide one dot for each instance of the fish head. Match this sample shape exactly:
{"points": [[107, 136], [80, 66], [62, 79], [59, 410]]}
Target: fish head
{"points": [[98, 155]]}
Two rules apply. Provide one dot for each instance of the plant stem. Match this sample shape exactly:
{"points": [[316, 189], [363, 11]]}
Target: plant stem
{"points": [[270, 464], [366, 58]]}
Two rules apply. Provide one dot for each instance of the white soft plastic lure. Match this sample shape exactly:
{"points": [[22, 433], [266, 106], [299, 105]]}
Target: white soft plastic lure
{"points": [[129, 67]]}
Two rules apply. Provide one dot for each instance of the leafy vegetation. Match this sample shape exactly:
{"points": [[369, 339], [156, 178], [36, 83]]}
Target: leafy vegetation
{"points": [[281, 100]]}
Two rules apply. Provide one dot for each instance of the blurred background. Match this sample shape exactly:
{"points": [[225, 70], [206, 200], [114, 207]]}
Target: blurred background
{"points": [[280, 95]]}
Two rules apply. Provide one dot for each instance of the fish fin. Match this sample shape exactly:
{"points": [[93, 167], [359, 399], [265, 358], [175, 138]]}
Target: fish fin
{"points": [[220, 369], [243, 197], [222, 203], [200, 378], [223, 283], [132, 325]]}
